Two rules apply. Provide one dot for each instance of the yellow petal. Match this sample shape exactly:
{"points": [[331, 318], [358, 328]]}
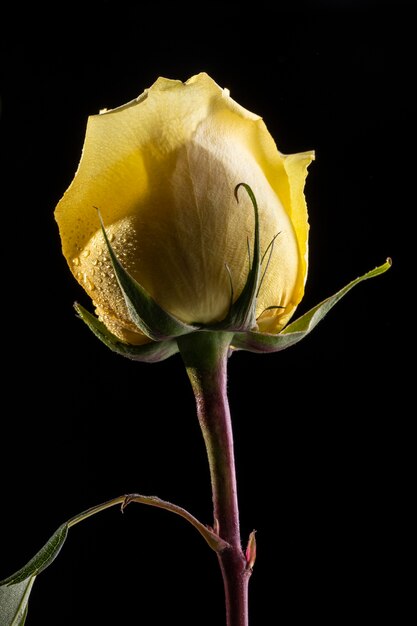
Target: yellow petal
{"points": [[290, 189], [296, 167]]}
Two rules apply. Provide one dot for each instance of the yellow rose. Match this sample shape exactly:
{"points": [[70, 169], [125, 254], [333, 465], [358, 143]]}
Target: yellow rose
{"points": [[162, 171]]}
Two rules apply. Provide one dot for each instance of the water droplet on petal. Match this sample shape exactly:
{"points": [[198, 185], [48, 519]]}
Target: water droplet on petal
{"points": [[86, 253], [76, 261], [89, 285]]}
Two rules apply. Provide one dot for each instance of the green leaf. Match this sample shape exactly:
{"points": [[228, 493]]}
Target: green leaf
{"points": [[145, 313], [264, 342], [14, 602], [149, 353], [15, 590]]}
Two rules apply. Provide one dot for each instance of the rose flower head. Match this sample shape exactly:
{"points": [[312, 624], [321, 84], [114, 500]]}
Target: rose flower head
{"points": [[184, 216]]}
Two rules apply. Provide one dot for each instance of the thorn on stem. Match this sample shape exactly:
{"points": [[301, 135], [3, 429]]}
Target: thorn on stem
{"points": [[251, 551]]}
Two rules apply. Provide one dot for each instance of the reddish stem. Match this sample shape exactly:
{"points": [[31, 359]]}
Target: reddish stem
{"points": [[205, 355]]}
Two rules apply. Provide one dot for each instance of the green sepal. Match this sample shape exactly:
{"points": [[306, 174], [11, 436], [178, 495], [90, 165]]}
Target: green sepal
{"points": [[149, 352], [151, 319], [253, 341], [241, 315]]}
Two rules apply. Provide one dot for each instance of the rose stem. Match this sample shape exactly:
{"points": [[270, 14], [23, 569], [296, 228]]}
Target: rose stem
{"points": [[205, 356]]}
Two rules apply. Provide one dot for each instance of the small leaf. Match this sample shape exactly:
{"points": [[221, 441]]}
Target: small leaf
{"points": [[265, 342], [151, 319], [151, 352]]}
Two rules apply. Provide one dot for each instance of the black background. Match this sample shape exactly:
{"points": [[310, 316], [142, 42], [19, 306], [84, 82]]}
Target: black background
{"points": [[319, 429]]}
